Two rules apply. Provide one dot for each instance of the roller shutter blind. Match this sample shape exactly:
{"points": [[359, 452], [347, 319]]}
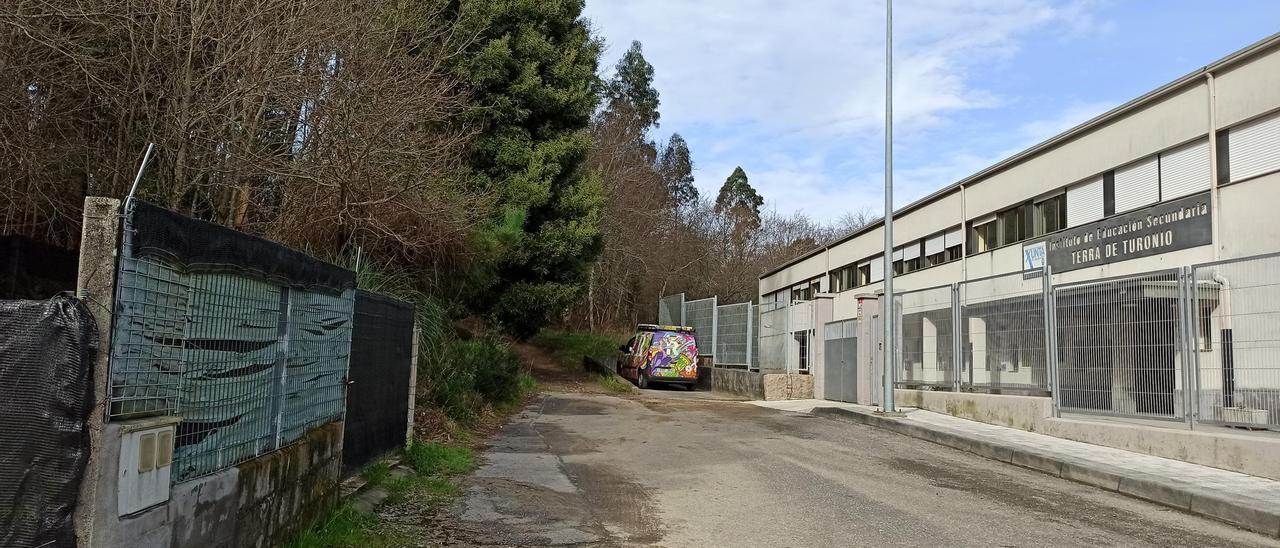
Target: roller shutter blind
{"points": [[1086, 203], [1137, 185], [1254, 148], [877, 269], [933, 246], [911, 251], [954, 238], [1185, 170]]}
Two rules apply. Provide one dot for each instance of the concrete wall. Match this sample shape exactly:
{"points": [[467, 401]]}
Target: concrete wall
{"points": [[262, 502], [760, 386], [1211, 446]]}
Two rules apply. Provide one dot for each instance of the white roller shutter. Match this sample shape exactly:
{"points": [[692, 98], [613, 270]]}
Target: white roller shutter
{"points": [[1254, 148], [1086, 203], [1137, 185], [933, 246], [911, 251], [955, 237], [1185, 170], [877, 269], [897, 255]]}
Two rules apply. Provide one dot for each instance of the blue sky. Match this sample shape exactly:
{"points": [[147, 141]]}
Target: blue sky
{"points": [[793, 90]]}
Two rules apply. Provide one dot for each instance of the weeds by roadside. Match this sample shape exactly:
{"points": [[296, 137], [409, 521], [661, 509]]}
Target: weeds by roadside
{"points": [[614, 383], [436, 468], [569, 348]]}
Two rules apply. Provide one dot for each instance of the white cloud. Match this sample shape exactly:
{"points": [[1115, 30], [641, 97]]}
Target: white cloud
{"points": [[794, 92]]}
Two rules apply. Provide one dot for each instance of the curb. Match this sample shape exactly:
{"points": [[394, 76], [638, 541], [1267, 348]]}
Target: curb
{"points": [[1219, 506]]}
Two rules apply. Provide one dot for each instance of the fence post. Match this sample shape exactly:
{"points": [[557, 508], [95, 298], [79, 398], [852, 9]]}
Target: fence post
{"points": [[96, 287], [715, 330], [280, 370], [956, 358], [1187, 341], [413, 383], [1050, 304], [751, 312]]}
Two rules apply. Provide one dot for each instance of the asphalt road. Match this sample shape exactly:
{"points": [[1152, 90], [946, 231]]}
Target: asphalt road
{"points": [[670, 468]]}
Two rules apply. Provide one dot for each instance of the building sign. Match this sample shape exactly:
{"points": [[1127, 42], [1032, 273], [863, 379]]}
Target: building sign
{"points": [[1033, 255], [1169, 226]]}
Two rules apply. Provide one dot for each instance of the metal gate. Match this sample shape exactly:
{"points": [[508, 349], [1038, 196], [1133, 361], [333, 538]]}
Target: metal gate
{"points": [[840, 370], [377, 417]]}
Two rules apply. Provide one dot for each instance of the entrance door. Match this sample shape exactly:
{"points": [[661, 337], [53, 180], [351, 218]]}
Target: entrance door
{"points": [[840, 358]]}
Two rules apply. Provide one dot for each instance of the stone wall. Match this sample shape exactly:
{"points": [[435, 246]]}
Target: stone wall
{"points": [[262, 502]]}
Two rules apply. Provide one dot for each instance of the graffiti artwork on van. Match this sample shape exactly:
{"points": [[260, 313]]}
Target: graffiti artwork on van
{"points": [[673, 355]]}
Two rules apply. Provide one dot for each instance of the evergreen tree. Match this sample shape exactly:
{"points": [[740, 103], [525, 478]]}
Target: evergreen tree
{"points": [[676, 167], [533, 71], [739, 201], [632, 88]]}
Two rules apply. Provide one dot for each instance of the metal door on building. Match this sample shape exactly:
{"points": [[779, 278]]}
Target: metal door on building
{"points": [[840, 369]]}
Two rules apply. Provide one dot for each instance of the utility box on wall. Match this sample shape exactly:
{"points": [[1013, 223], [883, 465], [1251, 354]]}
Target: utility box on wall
{"points": [[146, 458]]}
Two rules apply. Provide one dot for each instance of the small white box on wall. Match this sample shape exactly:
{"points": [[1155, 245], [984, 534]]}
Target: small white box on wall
{"points": [[146, 458]]}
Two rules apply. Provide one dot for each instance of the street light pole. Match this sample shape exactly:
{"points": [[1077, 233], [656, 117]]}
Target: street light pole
{"points": [[888, 311]]}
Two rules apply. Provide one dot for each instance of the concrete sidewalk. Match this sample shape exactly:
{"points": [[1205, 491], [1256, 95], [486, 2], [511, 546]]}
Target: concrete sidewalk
{"points": [[1246, 501]]}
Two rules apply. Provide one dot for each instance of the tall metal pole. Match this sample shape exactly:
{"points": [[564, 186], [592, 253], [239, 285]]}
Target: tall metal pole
{"points": [[888, 311]]}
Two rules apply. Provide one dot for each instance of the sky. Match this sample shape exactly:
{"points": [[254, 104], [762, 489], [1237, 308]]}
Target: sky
{"points": [[793, 91]]}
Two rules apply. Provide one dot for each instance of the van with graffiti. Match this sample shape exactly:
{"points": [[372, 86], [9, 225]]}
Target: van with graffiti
{"points": [[660, 354]]}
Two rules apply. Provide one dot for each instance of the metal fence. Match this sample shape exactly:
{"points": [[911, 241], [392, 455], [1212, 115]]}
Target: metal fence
{"points": [[671, 310], [1236, 341], [248, 364], [701, 316], [774, 337], [927, 355], [1002, 335], [1119, 343], [733, 335]]}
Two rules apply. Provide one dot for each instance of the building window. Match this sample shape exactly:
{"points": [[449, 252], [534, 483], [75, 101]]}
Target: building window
{"points": [[864, 274], [984, 236], [842, 279], [1013, 225], [1051, 215]]}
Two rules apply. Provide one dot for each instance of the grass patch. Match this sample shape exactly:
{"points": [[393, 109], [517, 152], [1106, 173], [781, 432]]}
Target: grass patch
{"points": [[377, 474], [614, 383], [346, 527], [429, 458], [570, 347], [435, 466]]}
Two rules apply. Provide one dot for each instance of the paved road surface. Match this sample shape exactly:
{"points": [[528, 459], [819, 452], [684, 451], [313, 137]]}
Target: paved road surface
{"points": [[670, 468]]}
